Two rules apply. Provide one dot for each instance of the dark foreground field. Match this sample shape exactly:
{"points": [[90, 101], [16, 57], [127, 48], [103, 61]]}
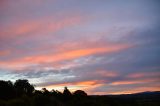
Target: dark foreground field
{"points": [[152, 99], [22, 93]]}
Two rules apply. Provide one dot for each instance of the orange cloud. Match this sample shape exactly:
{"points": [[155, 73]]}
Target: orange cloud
{"points": [[133, 82], [88, 83], [152, 87], [40, 26], [65, 55], [84, 85], [143, 74], [136, 90], [4, 53]]}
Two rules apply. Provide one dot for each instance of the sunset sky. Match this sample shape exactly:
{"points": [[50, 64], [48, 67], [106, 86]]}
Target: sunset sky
{"points": [[99, 46]]}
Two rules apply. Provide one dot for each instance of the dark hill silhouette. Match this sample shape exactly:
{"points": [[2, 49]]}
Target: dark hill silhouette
{"points": [[22, 93]]}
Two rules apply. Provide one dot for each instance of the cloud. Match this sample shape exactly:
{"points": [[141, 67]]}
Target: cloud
{"points": [[133, 82], [4, 53], [83, 85], [144, 74], [38, 27], [66, 55]]}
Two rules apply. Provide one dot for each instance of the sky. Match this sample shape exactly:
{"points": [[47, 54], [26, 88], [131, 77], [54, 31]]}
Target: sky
{"points": [[99, 46]]}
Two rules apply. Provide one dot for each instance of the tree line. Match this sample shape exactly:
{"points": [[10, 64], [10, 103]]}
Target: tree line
{"points": [[21, 88], [22, 93]]}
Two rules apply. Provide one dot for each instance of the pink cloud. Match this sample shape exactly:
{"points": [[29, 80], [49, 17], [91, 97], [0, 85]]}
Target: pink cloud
{"points": [[83, 85], [143, 74], [39, 26], [5, 53], [61, 56], [128, 82]]}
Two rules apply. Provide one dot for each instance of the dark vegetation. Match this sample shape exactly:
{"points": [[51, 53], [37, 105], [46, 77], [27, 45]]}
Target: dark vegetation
{"points": [[22, 93]]}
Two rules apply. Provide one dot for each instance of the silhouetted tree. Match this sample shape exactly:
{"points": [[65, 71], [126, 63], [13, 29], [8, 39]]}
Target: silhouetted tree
{"points": [[66, 92], [37, 92], [80, 93], [54, 93], [45, 91], [6, 89], [23, 87]]}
